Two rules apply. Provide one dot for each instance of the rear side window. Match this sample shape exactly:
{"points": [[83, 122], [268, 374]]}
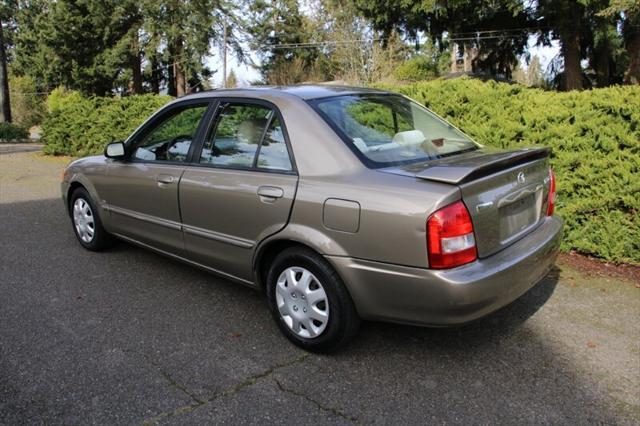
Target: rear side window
{"points": [[390, 129], [273, 151], [246, 136]]}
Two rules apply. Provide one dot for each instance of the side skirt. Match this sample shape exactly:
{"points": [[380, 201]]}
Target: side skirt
{"points": [[247, 283]]}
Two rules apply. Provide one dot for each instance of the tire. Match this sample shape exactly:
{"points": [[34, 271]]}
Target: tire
{"points": [[296, 272], [86, 222]]}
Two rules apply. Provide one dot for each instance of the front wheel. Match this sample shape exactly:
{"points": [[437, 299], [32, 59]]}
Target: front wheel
{"points": [[86, 222], [309, 301]]}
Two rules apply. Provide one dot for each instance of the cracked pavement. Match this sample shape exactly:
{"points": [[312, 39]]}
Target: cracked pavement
{"points": [[130, 337]]}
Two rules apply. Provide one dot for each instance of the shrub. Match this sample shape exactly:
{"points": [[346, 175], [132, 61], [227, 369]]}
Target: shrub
{"points": [[10, 132], [76, 125], [27, 106], [416, 69], [595, 136]]}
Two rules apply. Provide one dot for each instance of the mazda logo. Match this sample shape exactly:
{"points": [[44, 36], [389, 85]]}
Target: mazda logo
{"points": [[521, 178]]}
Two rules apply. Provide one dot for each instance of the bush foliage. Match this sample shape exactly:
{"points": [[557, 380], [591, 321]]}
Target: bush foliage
{"points": [[595, 136], [27, 106], [77, 125], [418, 68], [10, 132]]}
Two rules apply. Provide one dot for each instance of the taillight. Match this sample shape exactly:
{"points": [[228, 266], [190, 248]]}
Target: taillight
{"points": [[450, 240], [552, 193]]}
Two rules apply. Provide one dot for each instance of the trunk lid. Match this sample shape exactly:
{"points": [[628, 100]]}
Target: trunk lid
{"points": [[505, 191]]}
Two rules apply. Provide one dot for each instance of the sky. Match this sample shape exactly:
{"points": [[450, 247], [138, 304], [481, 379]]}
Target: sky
{"points": [[246, 73]]}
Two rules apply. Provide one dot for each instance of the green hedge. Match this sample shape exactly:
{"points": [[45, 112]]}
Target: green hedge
{"points": [[416, 69], [10, 132], [79, 126], [595, 136]]}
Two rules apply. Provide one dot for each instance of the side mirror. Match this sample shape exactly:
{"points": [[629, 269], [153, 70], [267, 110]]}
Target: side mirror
{"points": [[114, 150]]}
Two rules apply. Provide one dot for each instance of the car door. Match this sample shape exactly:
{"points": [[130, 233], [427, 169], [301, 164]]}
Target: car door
{"points": [[143, 190], [239, 189]]}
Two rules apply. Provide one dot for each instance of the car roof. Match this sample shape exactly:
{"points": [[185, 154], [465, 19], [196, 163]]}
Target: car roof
{"points": [[303, 91]]}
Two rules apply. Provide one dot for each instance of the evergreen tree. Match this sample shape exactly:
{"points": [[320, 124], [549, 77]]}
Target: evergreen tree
{"points": [[564, 20], [232, 80], [7, 12], [280, 22], [627, 15], [497, 47], [82, 45], [535, 76]]}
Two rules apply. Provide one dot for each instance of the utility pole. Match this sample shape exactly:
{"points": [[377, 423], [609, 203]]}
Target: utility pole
{"points": [[454, 57], [224, 54], [5, 105]]}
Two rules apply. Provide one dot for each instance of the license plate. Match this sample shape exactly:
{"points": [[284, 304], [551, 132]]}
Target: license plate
{"points": [[517, 217]]}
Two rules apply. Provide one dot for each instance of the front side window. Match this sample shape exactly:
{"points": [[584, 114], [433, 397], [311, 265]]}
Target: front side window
{"points": [[390, 129], [246, 136], [171, 139]]}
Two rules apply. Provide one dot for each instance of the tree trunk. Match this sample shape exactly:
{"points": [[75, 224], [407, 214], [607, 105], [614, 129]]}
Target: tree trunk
{"points": [[224, 54], [467, 58], [632, 44], [454, 57], [181, 85], [135, 65], [171, 80], [5, 104], [603, 64], [571, 54], [154, 80], [177, 58]]}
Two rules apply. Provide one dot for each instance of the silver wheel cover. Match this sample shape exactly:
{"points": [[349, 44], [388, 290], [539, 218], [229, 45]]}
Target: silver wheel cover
{"points": [[83, 220], [302, 302]]}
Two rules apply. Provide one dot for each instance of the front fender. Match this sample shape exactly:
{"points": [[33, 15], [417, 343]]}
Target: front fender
{"points": [[77, 178]]}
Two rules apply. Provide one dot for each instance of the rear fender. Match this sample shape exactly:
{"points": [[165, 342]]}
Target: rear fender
{"points": [[304, 235]]}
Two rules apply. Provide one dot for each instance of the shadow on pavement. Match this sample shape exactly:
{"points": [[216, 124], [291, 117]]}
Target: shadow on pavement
{"points": [[124, 335], [503, 322]]}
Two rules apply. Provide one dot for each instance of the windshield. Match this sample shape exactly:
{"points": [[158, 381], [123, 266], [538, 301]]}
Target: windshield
{"points": [[390, 129]]}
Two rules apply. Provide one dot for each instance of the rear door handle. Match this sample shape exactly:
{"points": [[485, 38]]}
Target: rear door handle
{"points": [[165, 179], [270, 193]]}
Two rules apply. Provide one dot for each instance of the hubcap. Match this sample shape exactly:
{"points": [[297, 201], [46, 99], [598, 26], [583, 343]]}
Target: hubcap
{"points": [[302, 302], [83, 220]]}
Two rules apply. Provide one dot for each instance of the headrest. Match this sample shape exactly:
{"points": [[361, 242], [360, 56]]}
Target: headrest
{"points": [[250, 130]]}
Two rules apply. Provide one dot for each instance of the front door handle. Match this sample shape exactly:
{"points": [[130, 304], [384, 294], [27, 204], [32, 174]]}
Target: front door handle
{"points": [[164, 180], [270, 193]]}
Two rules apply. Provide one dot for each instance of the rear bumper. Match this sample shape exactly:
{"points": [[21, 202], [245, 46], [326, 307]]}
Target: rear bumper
{"points": [[448, 297]]}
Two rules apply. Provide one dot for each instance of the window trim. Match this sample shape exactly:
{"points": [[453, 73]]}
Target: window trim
{"points": [[264, 135], [213, 122], [152, 123], [371, 164]]}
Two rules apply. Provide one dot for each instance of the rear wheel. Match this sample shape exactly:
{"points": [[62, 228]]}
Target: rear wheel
{"points": [[309, 301], [86, 222]]}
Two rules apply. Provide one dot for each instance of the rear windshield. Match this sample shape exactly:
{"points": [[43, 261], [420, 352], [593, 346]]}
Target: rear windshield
{"points": [[388, 130]]}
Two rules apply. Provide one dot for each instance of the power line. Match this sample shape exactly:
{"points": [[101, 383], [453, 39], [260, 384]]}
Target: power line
{"points": [[504, 31], [501, 37], [317, 44]]}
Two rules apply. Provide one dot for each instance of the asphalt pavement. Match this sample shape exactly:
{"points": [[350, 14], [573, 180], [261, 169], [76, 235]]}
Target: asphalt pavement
{"points": [[12, 148], [130, 337]]}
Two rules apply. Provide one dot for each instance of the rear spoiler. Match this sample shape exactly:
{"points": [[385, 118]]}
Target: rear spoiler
{"points": [[456, 171]]}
